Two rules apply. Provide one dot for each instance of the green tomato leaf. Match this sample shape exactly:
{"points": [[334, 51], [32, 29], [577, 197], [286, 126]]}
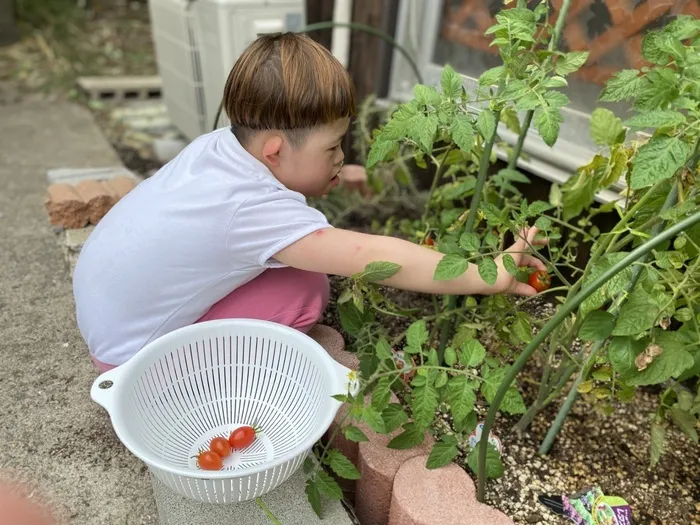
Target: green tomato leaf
{"points": [[451, 82], [450, 267], [442, 454], [513, 402], [417, 334], [426, 95], [470, 242], [522, 329], [510, 118], [394, 416], [609, 289], [606, 128], [494, 465], [381, 394], [556, 99], [657, 160], [597, 326], [622, 352], [313, 495], [672, 362], [656, 119], [509, 264], [658, 440], [661, 89], [411, 437], [426, 133], [512, 175], [328, 486], [491, 381], [492, 76], [342, 466], [461, 397], [486, 122], [685, 421], [425, 403], [379, 151], [515, 89], [463, 132], [379, 271], [352, 433], [488, 270], [450, 356], [547, 123], [383, 350], [640, 311], [472, 353], [570, 62], [374, 419], [616, 167], [651, 48], [352, 320], [624, 85]]}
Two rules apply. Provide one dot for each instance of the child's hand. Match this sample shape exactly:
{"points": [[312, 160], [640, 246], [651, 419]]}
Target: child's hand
{"points": [[354, 178], [507, 283]]}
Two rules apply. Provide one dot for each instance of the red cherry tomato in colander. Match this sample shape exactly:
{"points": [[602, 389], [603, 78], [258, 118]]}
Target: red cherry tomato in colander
{"points": [[242, 437], [220, 446], [208, 460]]}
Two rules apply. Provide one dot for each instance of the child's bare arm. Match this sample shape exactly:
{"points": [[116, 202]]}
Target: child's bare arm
{"points": [[344, 252]]}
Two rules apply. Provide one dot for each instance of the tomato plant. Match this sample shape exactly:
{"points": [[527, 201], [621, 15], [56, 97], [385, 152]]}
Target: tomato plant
{"points": [[634, 303]]}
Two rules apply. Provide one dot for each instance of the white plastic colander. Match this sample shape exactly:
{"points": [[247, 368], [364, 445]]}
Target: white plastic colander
{"points": [[205, 380]]}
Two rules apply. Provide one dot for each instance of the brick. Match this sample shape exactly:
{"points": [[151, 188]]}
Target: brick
{"points": [[75, 175], [98, 199], [414, 500], [378, 466], [119, 186], [65, 207]]}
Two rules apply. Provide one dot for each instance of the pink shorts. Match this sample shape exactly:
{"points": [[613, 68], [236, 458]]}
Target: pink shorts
{"points": [[287, 296]]}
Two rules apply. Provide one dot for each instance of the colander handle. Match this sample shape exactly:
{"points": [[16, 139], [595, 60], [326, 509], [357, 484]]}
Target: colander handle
{"points": [[353, 386], [104, 387]]}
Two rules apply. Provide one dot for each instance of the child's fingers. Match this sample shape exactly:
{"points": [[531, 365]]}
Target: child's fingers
{"points": [[524, 289], [532, 262]]}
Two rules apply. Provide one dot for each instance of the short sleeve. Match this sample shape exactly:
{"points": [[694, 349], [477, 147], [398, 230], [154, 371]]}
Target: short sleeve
{"points": [[266, 224]]}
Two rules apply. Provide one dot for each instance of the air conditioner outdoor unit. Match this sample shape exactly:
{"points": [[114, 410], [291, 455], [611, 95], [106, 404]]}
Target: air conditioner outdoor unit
{"points": [[197, 43]]}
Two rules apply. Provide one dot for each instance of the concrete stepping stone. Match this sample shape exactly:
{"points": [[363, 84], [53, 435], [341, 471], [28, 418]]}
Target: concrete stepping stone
{"points": [[287, 502], [445, 496]]}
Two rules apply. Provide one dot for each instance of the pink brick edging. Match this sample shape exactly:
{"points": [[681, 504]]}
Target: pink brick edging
{"points": [[444, 496], [75, 206], [395, 487]]}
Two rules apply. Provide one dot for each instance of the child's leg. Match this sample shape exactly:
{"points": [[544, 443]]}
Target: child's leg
{"points": [[287, 296]]}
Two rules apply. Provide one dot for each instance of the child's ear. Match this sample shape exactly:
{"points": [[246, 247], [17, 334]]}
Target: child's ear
{"points": [[271, 150]]}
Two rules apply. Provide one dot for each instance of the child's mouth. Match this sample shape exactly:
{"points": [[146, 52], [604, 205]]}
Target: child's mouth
{"points": [[334, 181]]}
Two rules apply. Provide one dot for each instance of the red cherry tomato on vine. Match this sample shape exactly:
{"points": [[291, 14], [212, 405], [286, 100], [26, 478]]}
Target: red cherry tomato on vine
{"points": [[242, 437], [220, 446], [540, 280], [208, 460], [429, 242]]}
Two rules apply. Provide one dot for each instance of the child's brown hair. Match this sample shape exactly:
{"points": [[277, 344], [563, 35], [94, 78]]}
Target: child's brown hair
{"points": [[288, 82]]}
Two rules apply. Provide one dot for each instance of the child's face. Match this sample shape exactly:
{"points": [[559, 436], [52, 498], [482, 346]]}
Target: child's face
{"points": [[312, 168]]}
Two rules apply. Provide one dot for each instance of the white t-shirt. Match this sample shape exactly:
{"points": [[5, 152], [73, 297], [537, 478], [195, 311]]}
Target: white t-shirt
{"points": [[208, 222]]}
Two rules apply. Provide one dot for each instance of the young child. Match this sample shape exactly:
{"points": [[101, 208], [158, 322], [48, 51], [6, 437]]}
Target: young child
{"points": [[224, 231]]}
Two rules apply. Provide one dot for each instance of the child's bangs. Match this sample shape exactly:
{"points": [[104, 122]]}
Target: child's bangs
{"points": [[318, 90]]}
